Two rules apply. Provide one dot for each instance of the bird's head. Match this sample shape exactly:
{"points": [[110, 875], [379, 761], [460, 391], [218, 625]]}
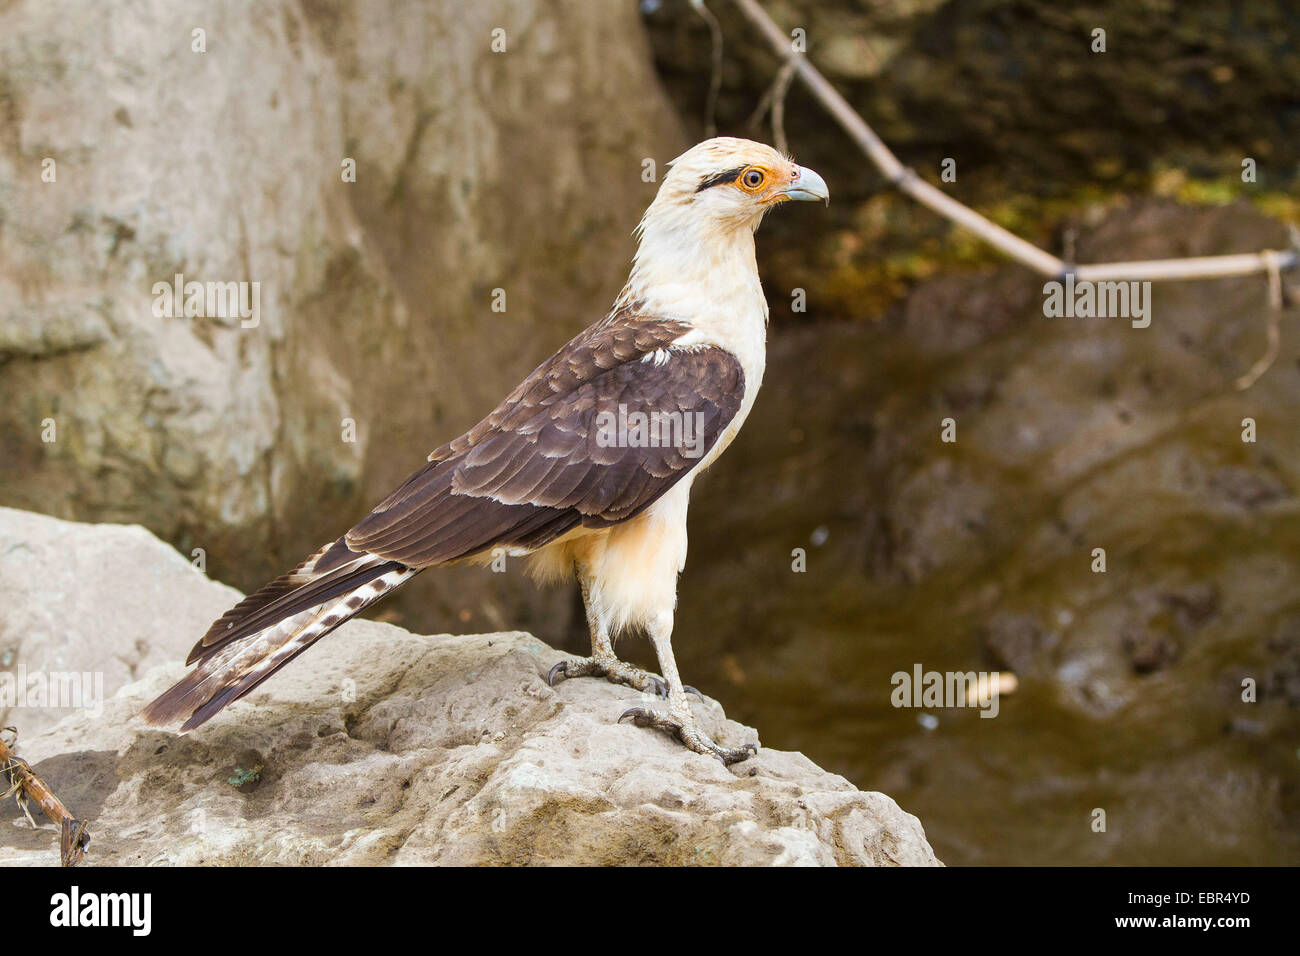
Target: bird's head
{"points": [[700, 228], [727, 184]]}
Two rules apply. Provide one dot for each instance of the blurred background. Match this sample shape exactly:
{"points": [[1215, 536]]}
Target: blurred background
{"points": [[522, 170]]}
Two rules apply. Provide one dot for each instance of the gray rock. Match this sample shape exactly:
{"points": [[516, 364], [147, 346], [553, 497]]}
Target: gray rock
{"points": [[89, 608], [382, 746]]}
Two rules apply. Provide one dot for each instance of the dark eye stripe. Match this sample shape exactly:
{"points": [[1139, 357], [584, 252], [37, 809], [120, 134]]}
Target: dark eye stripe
{"points": [[719, 179]]}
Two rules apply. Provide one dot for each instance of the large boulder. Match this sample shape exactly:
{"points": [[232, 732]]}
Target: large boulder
{"points": [[382, 746], [377, 340], [88, 609]]}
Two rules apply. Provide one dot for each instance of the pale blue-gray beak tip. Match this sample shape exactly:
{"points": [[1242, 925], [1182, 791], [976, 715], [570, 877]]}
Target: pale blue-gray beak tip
{"points": [[808, 187]]}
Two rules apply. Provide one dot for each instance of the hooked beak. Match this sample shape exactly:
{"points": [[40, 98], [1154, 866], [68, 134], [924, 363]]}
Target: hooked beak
{"points": [[807, 187]]}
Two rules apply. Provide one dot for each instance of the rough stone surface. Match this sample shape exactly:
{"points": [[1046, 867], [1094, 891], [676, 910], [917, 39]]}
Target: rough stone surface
{"points": [[91, 600], [475, 171], [382, 746]]}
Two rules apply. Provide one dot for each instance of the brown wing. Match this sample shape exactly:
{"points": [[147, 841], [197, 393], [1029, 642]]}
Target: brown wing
{"points": [[549, 458]]}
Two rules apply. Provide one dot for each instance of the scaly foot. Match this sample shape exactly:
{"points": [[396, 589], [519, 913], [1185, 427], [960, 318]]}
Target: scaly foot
{"points": [[616, 672], [613, 670], [680, 722]]}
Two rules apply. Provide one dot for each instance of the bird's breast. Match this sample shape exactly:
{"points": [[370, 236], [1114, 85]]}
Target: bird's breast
{"points": [[719, 295], [744, 336]]}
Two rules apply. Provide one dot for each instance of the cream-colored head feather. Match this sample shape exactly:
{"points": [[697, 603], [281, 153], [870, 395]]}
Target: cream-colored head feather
{"points": [[712, 199]]}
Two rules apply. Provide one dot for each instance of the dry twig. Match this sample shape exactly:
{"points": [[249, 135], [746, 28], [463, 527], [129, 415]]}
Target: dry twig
{"points": [[715, 74], [24, 784]]}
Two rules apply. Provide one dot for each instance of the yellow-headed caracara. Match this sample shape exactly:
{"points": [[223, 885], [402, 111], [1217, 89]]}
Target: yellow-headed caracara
{"points": [[586, 467]]}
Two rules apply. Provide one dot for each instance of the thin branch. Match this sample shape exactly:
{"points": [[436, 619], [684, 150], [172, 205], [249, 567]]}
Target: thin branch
{"points": [[24, 784], [715, 74], [773, 99], [1044, 263], [779, 90], [1275, 302]]}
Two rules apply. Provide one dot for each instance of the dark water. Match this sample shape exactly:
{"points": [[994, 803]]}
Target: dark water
{"points": [[1177, 786]]}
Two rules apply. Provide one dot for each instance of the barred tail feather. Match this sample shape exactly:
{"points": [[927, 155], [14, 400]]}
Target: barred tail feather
{"points": [[270, 628]]}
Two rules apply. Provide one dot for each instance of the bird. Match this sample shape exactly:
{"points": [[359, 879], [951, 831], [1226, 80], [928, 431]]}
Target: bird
{"points": [[585, 469]]}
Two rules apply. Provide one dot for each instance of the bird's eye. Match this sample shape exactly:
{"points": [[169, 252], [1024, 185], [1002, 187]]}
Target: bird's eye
{"points": [[752, 178]]}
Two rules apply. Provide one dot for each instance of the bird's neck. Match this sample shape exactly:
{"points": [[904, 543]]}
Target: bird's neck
{"points": [[710, 282], [696, 271]]}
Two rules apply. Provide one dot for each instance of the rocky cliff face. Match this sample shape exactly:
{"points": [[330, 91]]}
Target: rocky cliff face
{"points": [[380, 746], [475, 171]]}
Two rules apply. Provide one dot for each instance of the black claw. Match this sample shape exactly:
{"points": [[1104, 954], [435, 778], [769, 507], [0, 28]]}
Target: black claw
{"points": [[661, 689], [691, 690], [640, 716], [559, 668]]}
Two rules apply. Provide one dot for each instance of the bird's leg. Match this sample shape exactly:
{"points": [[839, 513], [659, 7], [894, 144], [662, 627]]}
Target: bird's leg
{"points": [[679, 720], [602, 662]]}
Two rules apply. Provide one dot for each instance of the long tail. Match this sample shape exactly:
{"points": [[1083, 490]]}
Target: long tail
{"points": [[271, 627]]}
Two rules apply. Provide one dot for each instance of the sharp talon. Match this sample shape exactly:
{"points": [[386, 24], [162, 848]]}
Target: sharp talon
{"points": [[557, 669], [640, 716], [691, 690], [661, 689]]}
